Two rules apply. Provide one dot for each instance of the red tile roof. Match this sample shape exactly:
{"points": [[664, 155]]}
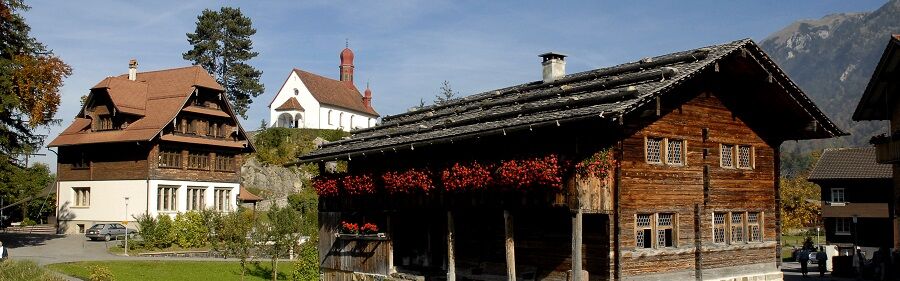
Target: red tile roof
{"points": [[290, 104], [156, 96], [246, 196]]}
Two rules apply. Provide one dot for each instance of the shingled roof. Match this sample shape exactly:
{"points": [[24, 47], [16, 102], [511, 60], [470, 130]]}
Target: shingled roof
{"points": [[850, 163], [883, 82], [156, 97], [607, 93]]}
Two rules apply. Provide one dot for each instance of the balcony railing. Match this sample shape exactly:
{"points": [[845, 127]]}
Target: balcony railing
{"points": [[888, 152]]}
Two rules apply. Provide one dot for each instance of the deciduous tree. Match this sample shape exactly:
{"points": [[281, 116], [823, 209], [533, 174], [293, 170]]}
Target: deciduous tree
{"points": [[221, 44]]}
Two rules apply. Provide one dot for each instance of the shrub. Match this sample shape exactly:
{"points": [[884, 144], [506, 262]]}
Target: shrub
{"points": [[100, 273], [28, 222], [190, 230], [26, 270], [307, 266]]}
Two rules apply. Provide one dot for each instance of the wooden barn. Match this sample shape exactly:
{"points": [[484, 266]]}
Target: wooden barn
{"points": [[660, 169]]}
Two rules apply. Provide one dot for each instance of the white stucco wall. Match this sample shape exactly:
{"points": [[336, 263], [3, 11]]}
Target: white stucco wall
{"points": [[315, 115]]}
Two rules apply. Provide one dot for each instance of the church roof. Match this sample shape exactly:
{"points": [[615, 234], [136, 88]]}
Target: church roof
{"points": [[333, 92], [290, 104], [606, 93]]}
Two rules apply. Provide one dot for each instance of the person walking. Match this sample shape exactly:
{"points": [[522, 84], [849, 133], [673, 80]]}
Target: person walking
{"points": [[821, 258], [804, 261], [3, 253]]}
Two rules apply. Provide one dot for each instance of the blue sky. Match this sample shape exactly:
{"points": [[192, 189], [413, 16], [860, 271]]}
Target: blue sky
{"points": [[405, 49]]}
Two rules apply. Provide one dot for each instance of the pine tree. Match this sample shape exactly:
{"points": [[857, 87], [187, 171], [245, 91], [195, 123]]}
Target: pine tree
{"points": [[221, 44], [447, 94]]}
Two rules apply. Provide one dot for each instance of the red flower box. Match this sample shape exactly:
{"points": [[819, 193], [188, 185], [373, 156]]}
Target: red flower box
{"points": [[325, 186], [408, 181], [533, 172], [358, 184], [460, 177]]}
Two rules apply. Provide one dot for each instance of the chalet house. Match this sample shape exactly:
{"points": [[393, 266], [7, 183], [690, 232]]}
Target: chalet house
{"points": [[856, 193], [167, 140], [308, 100], [661, 169], [880, 102]]}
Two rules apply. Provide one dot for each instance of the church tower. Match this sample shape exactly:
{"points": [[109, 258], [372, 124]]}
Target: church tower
{"points": [[347, 65]]}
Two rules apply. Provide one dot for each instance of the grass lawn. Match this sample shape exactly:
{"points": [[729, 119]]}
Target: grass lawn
{"points": [[176, 270]]}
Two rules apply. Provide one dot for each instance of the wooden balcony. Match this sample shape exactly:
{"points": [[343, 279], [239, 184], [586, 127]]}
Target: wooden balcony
{"points": [[888, 153], [849, 210]]}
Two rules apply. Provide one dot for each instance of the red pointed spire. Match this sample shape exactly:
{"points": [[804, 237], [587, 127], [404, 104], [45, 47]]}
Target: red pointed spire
{"points": [[367, 99]]}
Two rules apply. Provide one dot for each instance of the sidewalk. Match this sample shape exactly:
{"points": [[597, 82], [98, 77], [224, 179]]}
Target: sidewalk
{"points": [[791, 272]]}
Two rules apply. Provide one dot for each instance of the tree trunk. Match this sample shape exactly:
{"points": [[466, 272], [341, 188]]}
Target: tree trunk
{"points": [[275, 267]]}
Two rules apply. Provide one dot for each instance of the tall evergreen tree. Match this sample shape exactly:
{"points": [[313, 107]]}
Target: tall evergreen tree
{"points": [[221, 44]]}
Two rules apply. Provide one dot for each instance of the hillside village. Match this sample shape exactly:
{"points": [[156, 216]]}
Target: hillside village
{"points": [[728, 159]]}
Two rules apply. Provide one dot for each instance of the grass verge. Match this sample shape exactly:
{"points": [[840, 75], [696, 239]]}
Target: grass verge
{"points": [[175, 270], [25, 270]]}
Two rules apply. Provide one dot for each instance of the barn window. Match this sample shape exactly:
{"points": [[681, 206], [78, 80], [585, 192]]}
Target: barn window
{"points": [[753, 227], [745, 156], [842, 226], [719, 228], [675, 152], [643, 232], [665, 236], [837, 195], [737, 227], [726, 156], [654, 150]]}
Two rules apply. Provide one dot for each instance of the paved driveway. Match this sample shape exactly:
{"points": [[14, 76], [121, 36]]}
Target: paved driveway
{"points": [[47, 249]]}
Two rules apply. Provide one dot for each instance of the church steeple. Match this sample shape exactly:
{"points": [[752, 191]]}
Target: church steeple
{"points": [[347, 64]]}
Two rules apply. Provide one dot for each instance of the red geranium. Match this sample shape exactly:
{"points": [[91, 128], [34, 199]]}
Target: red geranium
{"points": [[460, 177], [325, 186], [598, 165], [369, 228], [359, 184], [520, 174], [407, 181], [349, 228]]}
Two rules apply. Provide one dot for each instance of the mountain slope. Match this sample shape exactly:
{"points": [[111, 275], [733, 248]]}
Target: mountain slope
{"points": [[832, 59]]}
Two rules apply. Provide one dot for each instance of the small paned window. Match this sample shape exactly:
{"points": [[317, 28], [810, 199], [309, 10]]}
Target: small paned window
{"points": [[842, 226], [654, 150], [745, 154], [82, 196], [737, 227], [81, 161], [675, 152], [726, 156], [169, 158], [665, 237], [719, 228], [198, 160], [643, 232], [224, 162], [837, 195], [222, 197], [166, 198], [196, 198], [753, 228]]}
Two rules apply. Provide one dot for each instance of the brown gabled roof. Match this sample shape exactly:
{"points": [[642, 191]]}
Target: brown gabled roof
{"points": [[884, 79], [290, 104], [849, 163], [246, 196], [333, 92], [156, 96]]}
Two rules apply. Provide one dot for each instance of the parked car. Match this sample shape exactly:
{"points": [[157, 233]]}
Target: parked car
{"points": [[107, 231]]}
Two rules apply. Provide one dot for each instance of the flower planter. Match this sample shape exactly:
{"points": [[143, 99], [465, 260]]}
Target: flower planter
{"points": [[374, 237]]}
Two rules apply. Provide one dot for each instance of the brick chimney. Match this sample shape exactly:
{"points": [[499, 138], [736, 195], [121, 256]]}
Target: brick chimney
{"points": [[554, 65], [132, 69]]}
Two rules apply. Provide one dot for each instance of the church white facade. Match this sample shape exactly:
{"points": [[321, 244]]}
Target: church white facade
{"points": [[308, 100]]}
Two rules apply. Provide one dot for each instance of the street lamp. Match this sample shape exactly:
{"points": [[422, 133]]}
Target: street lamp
{"points": [[126, 225]]}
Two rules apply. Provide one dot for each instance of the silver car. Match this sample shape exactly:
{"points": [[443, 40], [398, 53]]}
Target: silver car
{"points": [[107, 231]]}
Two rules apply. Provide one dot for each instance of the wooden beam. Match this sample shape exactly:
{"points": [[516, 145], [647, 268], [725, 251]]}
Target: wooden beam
{"points": [[451, 259], [510, 247], [576, 245]]}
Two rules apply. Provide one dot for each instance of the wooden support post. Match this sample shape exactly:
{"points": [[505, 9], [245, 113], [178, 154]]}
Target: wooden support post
{"points": [[451, 259], [510, 247], [576, 246]]}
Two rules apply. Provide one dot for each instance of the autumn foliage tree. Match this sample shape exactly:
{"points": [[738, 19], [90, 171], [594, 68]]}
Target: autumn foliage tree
{"points": [[800, 207]]}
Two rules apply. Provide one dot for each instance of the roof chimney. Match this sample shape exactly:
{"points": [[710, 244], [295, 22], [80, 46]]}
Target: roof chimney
{"points": [[554, 66], [132, 70]]}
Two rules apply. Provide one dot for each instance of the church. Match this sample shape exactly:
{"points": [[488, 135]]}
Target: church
{"points": [[309, 100]]}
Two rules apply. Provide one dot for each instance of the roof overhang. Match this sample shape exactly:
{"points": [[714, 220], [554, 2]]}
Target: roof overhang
{"points": [[875, 103]]}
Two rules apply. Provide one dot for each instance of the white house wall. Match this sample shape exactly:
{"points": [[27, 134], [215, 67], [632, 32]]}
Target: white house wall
{"points": [[340, 118]]}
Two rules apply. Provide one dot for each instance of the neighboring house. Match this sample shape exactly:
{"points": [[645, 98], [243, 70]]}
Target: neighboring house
{"points": [[167, 139], [308, 100], [856, 193], [661, 169], [881, 101]]}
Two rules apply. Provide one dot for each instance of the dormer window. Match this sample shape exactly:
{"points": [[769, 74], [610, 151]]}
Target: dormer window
{"points": [[104, 123]]}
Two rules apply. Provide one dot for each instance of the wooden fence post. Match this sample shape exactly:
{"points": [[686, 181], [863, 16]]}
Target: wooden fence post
{"points": [[510, 247], [451, 259]]}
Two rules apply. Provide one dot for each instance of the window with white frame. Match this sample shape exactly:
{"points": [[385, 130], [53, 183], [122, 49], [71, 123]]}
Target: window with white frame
{"points": [[719, 228], [654, 150], [222, 197], [726, 155], [196, 198], [165, 198], [837, 195], [329, 118], [842, 226], [737, 227], [753, 228], [82, 196], [675, 152], [643, 231], [745, 156], [665, 235]]}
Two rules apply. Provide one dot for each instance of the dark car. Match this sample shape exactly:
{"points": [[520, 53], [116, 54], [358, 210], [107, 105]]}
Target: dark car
{"points": [[107, 231]]}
